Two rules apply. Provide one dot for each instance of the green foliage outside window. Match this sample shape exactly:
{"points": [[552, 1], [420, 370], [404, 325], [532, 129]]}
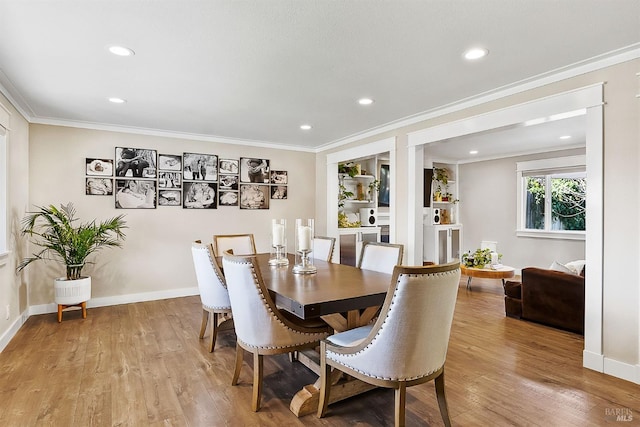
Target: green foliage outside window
{"points": [[568, 203]]}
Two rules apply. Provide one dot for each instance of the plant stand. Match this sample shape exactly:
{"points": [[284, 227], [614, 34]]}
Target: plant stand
{"points": [[72, 293]]}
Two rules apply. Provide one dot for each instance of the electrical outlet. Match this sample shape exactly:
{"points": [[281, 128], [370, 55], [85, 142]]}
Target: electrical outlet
{"points": [[8, 312]]}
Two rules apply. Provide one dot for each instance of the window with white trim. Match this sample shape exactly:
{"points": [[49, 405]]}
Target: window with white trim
{"points": [[552, 197]]}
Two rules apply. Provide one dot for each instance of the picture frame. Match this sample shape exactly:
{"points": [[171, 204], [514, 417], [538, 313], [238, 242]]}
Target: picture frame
{"points": [[135, 194], [98, 186], [199, 195], [200, 167], [229, 182], [278, 177], [170, 162], [254, 170], [279, 192], [229, 167], [99, 167], [228, 198], [254, 196], [171, 197], [136, 162], [169, 179]]}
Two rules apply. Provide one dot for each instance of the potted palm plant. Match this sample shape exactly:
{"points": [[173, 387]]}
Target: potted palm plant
{"points": [[60, 239]]}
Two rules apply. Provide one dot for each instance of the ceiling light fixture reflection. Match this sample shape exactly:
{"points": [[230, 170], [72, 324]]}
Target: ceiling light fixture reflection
{"points": [[365, 101], [121, 51], [475, 53], [305, 127], [117, 100]]}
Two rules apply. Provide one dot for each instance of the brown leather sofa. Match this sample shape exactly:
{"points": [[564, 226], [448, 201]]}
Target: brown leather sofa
{"points": [[549, 297]]}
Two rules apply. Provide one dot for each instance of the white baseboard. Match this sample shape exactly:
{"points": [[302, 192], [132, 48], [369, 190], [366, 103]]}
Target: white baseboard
{"points": [[593, 361], [625, 371], [121, 299], [12, 330]]}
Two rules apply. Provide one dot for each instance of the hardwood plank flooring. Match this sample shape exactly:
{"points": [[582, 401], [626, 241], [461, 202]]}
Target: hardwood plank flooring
{"points": [[143, 365]]}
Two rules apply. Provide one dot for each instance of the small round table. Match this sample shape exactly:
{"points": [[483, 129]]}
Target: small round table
{"points": [[504, 272]]}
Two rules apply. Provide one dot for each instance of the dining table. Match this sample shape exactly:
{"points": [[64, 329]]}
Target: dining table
{"points": [[345, 297]]}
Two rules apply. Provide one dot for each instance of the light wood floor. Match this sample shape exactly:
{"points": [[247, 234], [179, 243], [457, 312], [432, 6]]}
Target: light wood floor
{"points": [[142, 364]]}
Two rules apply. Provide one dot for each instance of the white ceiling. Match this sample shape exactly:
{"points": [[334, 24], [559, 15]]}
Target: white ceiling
{"points": [[256, 70]]}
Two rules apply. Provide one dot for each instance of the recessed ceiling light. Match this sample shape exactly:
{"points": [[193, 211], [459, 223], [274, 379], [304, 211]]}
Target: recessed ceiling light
{"points": [[473, 152], [365, 101], [117, 100], [121, 51], [565, 137], [476, 53], [305, 127]]}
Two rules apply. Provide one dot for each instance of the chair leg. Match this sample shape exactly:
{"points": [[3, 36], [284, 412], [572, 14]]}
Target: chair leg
{"points": [[236, 372], [257, 381], [400, 402], [325, 382], [442, 399], [214, 332], [203, 325]]}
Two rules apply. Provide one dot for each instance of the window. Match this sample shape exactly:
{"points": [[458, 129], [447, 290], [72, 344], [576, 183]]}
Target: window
{"points": [[552, 197]]}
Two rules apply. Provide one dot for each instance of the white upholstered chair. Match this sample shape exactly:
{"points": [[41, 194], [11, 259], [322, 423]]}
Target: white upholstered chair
{"points": [[323, 248], [380, 257], [240, 244], [260, 327], [213, 292], [408, 343]]}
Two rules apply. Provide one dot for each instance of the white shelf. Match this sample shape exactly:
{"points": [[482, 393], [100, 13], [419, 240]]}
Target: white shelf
{"points": [[358, 201]]}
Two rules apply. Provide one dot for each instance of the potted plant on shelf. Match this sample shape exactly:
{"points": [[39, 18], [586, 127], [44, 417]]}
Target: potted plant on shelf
{"points": [[350, 168], [54, 231]]}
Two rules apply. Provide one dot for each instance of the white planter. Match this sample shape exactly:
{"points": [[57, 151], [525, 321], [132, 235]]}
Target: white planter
{"points": [[71, 292]]}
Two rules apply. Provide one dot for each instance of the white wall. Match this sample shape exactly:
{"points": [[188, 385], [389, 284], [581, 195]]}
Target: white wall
{"points": [[487, 209], [156, 257]]}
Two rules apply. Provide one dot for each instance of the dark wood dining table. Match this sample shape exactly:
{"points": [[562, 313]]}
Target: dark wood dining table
{"points": [[345, 297]]}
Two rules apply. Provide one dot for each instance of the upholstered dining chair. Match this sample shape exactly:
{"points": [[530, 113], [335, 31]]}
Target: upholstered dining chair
{"points": [[213, 292], [380, 257], [408, 343], [323, 248], [261, 329], [240, 244]]}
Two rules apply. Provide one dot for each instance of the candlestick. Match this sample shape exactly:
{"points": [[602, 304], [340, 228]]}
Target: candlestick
{"points": [[304, 247], [278, 242]]}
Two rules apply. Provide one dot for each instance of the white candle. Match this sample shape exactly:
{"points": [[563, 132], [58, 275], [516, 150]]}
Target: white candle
{"points": [[277, 235], [304, 238], [494, 258]]}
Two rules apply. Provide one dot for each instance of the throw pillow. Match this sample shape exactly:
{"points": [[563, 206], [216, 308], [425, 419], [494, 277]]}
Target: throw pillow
{"points": [[576, 266], [560, 267]]}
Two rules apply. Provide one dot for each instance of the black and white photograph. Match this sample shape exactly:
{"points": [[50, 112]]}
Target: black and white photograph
{"points": [[169, 198], [135, 162], [229, 166], [200, 195], [253, 196], [278, 191], [279, 177], [200, 167], [229, 182], [169, 179], [228, 198], [135, 194], [99, 167], [99, 187], [254, 170], [170, 162]]}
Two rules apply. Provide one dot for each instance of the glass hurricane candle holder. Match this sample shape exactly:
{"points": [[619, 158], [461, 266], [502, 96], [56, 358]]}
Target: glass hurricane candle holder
{"points": [[304, 247], [278, 242]]}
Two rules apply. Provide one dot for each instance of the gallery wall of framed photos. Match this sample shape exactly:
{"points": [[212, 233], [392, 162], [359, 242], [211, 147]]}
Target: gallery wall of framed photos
{"points": [[139, 178]]}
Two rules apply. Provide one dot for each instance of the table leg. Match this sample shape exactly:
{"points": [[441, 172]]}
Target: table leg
{"points": [[469, 283]]}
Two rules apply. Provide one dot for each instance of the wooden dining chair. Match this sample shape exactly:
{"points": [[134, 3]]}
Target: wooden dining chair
{"points": [[261, 328], [380, 257], [408, 343], [323, 248], [240, 244], [213, 292]]}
